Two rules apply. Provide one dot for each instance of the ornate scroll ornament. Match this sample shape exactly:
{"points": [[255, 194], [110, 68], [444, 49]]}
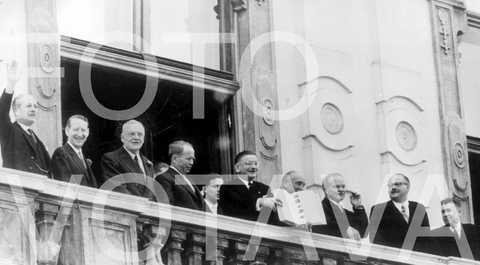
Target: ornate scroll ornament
{"points": [[444, 34], [332, 118], [406, 136], [458, 155], [47, 58], [239, 5], [45, 92], [268, 117]]}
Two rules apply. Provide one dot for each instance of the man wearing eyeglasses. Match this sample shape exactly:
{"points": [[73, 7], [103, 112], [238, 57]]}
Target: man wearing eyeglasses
{"points": [[394, 218]]}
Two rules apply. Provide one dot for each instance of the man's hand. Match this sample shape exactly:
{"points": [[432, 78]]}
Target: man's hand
{"points": [[270, 202], [355, 199], [12, 76], [353, 233]]}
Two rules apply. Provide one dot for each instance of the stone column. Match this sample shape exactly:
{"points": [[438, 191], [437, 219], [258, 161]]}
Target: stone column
{"points": [[43, 62], [257, 99], [448, 23], [48, 241], [18, 244], [174, 246], [195, 248]]}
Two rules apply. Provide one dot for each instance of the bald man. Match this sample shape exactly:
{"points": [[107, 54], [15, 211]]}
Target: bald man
{"points": [[128, 159], [293, 181], [341, 222], [21, 148]]}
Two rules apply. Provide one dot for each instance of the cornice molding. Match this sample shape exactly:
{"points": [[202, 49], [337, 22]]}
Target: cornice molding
{"points": [[150, 65], [473, 19]]}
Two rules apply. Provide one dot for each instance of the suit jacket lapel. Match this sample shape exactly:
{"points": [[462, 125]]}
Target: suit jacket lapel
{"points": [[74, 156], [397, 212], [130, 165], [78, 163], [28, 138]]}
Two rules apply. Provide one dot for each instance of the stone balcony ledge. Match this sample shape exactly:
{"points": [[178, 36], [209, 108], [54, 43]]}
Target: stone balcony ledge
{"points": [[123, 218]]}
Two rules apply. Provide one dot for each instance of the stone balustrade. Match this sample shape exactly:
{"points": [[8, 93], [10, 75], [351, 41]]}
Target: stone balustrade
{"points": [[44, 221]]}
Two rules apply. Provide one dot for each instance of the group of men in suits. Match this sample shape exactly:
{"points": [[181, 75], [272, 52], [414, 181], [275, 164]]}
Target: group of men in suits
{"points": [[399, 222]]}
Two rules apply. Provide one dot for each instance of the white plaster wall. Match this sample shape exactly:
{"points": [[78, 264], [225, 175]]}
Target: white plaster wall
{"points": [[470, 83], [378, 50], [13, 43]]}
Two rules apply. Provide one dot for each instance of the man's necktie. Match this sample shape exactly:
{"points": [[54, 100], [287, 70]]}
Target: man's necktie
{"points": [[80, 155], [404, 212], [137, 160], [455, 231], [250, 183], [32, 135]]}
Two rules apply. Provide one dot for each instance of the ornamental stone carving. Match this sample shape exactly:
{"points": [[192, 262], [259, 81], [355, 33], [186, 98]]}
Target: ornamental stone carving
{"points": [[47, 58], [268, 116], [406, 136], [332, 118], [458, 155]]}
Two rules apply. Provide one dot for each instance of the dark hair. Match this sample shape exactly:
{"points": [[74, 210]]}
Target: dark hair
{"points": [[176, 148], [76, 116], [240, 155], [450, 200]]}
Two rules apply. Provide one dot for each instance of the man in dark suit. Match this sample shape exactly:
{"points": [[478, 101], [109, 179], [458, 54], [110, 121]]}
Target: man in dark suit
{"points": [[211, 193], [245, 198], [341, 222], [454, 239], [68, 159], [399, 217], [180, 189], [133, 172], [21, 148]]}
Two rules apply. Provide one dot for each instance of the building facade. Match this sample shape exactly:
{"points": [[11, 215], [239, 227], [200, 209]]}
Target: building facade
{"points": [[357, 87]]}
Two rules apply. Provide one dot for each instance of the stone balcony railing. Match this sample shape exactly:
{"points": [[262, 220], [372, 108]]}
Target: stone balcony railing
{"points": [[44, 221]]}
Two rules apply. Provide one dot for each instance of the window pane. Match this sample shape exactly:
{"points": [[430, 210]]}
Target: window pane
{"points": [[108, 22], [184, 30]]}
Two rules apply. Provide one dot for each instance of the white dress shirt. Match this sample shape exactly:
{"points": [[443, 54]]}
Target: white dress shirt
{"points": [[398, 205]]}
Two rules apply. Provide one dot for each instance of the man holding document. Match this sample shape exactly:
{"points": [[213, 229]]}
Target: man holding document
{"points": [[341, 222]]}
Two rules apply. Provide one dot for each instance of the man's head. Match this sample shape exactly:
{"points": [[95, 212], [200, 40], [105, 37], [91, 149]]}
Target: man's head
{"points": [[212, 189], [77, 130], [293, 181], [182, 156], [398, 187], [133, 135], [25, 109], [450, 211], [334, 187], [246, 163]]}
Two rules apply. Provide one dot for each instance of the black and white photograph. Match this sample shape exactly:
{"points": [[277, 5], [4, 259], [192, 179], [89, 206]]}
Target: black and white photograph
{"points": [[239, 132]]}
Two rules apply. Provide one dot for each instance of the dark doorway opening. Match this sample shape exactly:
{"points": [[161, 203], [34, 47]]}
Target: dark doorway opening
{"points": [[169, 117], [474, 164]]}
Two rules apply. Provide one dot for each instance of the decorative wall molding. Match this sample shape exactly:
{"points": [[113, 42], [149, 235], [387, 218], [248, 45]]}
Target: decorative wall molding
{"points": [[330, 148], [448, 19], [403, 98], [473, 20], [347, 90], [406, 136], [331, 118], [404, 163], [149, 65]]}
